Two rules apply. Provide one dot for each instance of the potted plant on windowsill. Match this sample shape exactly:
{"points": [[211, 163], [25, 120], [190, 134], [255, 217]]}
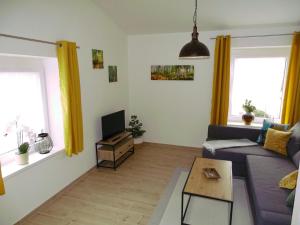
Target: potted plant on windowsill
{"points": [[135, 127], [248, 117], [22, 154]]}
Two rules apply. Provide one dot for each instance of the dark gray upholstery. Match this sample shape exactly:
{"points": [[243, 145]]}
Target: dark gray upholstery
{"points": [[230, 132], [238, 156], [296, 159], [263, 169], [294, 142], [264, 174]]}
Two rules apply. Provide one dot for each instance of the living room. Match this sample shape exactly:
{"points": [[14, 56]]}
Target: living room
{"points": [[54, 188]]}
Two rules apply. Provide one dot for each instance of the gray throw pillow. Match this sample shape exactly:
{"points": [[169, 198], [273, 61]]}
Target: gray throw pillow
{"points": [[291, 198], [293, 145], [296, 159]]}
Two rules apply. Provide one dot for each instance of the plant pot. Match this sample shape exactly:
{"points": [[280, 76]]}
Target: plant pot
{"points": [[248, 118], [22, 159], [138, 140]]}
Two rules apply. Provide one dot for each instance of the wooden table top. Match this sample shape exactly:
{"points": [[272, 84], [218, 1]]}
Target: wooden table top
{"points": [[115, 139], [198, 184]]}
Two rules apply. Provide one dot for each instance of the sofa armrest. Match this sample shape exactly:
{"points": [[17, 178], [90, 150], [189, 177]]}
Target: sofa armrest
{"points": [[232, 132]]}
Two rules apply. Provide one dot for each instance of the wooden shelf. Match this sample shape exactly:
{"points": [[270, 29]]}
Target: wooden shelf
{"points": [[112, 152], [115, 139]]}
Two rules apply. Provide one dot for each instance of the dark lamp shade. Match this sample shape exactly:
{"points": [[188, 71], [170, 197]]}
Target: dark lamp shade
{"points": [[194, 50]]}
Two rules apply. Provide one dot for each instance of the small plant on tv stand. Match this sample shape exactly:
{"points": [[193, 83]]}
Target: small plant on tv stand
{"points": [[135, 127]]}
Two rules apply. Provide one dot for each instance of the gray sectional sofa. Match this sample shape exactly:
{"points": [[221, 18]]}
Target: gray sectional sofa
{"points": [[263, 170]]}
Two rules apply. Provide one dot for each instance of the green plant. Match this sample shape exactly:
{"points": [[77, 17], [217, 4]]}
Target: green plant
{"points": [[248, 107], [261, 113], [135, 127], [23, 148]]}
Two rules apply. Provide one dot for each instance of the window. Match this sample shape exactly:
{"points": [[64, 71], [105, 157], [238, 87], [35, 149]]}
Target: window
{"points": [[258, 74], [21, 99]]}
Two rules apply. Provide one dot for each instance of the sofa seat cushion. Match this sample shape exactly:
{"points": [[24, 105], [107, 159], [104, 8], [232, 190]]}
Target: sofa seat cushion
{"points": [[264, 174], [239, 154]]}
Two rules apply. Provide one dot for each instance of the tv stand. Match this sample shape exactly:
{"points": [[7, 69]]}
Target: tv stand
{"points": [[114, 151]]}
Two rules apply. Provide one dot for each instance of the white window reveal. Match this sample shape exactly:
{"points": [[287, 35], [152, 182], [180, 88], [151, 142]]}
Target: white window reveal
{"points": [[258, 74], [22, 104]]}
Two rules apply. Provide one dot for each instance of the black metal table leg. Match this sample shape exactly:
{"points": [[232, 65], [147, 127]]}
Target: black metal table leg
{"points": [[114, 158], [96, 155], [184, 209], [230, 217]]}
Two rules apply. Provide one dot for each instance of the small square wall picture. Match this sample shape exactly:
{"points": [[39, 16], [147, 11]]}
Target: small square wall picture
{"points": [[97, 59], [112, 74]]}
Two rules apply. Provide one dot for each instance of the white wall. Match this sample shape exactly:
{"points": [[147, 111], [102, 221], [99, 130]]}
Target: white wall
{"points": [[86, 24], [178, 112]]}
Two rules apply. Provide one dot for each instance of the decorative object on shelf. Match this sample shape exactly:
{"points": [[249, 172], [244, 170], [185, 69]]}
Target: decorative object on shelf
{"points": [[112, 74], [194, 49], [211, 173], [248, 117], [43, 143], [173, 72], [21, 131], [135, 127], [22, 154], [97, 59]]}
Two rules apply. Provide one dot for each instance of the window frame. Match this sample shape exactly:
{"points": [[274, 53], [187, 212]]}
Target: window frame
{"points": [[255, 52]]}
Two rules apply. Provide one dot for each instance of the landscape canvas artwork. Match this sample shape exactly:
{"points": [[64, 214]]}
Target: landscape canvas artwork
{"points": [[97, 59], [172, 72], [112, 74]]}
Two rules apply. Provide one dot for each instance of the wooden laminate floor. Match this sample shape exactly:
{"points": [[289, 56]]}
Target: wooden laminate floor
{"points": [[127, 196]]}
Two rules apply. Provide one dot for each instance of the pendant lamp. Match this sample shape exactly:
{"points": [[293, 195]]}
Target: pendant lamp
{"points": [[194, 49]]}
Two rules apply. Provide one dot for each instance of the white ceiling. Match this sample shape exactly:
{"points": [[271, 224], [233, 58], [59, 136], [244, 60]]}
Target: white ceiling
{"points": [[167, 16]]}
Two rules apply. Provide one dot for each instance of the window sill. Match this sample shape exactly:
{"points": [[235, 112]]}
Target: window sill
{"points": [[240, 124], [11, 169]]}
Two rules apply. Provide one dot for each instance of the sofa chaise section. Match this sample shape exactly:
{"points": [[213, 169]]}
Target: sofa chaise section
{"points": [[268, 200]]}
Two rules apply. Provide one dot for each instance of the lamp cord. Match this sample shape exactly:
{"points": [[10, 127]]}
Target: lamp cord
{"points": [[195, 13]]}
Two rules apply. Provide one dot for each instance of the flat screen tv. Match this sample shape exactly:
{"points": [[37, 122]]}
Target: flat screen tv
{"points": [[113, 124]]}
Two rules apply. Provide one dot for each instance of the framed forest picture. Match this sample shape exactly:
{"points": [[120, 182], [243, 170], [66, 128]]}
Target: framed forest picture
{"points": [[97, 59], [112, 74], [172, 72]]}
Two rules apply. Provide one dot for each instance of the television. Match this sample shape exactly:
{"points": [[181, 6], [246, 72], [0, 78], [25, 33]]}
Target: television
{"points": [[113, 124]]}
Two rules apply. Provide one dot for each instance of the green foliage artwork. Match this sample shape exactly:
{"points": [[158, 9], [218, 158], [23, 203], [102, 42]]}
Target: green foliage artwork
{"points": [[112, 73], [173, 72], [97, 59]]}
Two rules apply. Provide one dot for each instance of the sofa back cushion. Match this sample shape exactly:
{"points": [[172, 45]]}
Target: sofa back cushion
{"points": [[269, 124], [216, 132], [277, 141], [293, 145], [296, 159]]}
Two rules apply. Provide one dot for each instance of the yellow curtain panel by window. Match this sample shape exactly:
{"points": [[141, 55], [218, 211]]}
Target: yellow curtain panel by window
{"points": [[2, 190], [291, 103], [70, 96], [221, 81]]}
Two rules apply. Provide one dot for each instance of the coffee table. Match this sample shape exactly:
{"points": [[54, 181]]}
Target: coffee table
{"points": [[197, 185]]}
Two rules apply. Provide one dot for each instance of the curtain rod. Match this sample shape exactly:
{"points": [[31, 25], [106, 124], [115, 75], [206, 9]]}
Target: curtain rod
{"points": [[262, 35], [30, 39]]}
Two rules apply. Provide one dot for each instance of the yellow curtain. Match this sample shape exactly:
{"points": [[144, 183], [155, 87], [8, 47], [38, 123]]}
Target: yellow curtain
{"points": [[221, 81], [291, 103], [71, 97], [2, 190]]}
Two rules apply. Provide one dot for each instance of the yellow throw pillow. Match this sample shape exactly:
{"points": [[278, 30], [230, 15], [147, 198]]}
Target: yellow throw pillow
{"points": [[289, 181], [277, 140]]}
